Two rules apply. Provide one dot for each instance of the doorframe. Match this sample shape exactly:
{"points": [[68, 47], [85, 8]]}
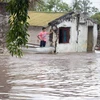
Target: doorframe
{"points": [[90, 39]]}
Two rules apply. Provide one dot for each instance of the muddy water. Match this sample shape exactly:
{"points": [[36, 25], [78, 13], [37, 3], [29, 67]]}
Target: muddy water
{"points": [[50, 77]]}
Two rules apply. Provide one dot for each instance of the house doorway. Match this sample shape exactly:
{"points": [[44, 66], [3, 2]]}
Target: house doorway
{"points": [[64, 34], [90, 39]]}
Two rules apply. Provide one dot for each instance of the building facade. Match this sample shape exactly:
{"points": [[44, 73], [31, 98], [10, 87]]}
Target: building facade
{"points": [[73, 32], [71, 39]]}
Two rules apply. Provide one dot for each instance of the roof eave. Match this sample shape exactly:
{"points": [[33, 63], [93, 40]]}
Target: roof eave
{"points": [[65, 16]]}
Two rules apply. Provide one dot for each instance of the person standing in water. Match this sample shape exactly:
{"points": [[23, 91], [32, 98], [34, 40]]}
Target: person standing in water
{"points": [[42, 36]]}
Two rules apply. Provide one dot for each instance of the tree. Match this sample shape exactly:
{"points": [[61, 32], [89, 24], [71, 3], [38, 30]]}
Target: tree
{"points": [[53, 6], [40, 6], [4, 0], [17, 35], [34, 3], [96, 17], [84, 6], [76, 5], [18, 25]]}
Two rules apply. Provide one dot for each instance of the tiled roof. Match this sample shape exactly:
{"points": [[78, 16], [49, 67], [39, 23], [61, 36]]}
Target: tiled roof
{"points": [[42, 18]]}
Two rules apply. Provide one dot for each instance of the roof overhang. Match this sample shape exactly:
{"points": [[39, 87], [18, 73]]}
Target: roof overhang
{"points": [[61, 19]]}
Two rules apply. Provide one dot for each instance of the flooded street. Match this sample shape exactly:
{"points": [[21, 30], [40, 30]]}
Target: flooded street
{"points": [[50, 77]]}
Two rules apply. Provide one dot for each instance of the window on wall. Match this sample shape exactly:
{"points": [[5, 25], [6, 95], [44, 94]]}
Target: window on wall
{"points": [[64, 34]]}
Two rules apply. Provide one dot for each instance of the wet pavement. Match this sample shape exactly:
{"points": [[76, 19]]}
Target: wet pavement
{"points": [[50, 77]]}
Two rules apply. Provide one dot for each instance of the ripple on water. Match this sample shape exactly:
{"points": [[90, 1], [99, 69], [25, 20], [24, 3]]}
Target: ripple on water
{"points": [[52, 77]]}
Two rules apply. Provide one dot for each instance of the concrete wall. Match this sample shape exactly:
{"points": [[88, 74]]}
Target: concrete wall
{"points": [[81, 46], [82, 38], [95, 35], [71, 46]]}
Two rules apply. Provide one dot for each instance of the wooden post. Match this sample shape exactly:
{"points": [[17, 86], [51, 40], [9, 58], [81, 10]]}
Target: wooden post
{"points": [[54, 27]]}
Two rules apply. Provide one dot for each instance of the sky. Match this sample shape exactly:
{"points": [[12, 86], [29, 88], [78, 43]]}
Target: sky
{"points": [[96, 3]]}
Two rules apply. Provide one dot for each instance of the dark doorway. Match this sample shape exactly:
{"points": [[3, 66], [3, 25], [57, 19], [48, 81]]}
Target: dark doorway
{"points": [[90, 39], [64, 34]]}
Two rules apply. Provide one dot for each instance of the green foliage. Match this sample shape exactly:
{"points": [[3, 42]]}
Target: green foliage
{"points": [[96, 17], [76, 5], [33, 4], [18, 25], [4, 0], [52, 6], [60, 6], [40, 6], [84, 6]]}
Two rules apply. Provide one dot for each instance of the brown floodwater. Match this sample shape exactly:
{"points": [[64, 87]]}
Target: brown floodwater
{"points": [[50, 77]]}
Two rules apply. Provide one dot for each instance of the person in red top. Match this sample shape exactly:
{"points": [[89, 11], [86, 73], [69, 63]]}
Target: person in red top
{"points": [[42, 37]]}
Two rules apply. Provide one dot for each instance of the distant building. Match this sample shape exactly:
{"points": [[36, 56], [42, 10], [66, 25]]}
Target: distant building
{"points": [[74, 32]]}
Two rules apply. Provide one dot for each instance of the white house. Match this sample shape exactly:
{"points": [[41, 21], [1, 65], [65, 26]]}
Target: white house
{"points": [[74, 32]]}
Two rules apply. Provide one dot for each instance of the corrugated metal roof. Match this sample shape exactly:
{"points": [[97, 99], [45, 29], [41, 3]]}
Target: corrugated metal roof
{"points": [[42, 18]]}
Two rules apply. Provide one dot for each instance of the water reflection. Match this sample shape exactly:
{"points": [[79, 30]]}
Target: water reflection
{"points": [[4, 86], [54, 77]]}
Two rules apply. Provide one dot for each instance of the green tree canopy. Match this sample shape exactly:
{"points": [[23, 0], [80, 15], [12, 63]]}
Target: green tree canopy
{"points": [[18, 25], [4, 0], [51, 6], [84, 6], [34, 3], [96, 17]]}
